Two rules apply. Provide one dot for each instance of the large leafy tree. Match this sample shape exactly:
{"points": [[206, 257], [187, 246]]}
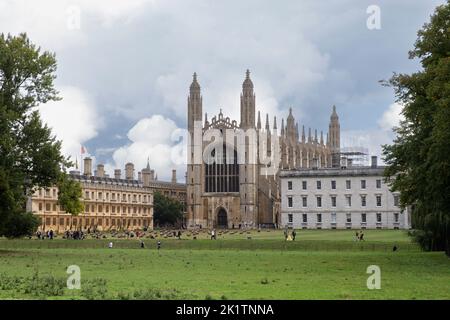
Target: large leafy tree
{"points": [[30, 155], [418, 160], [166, 211]]}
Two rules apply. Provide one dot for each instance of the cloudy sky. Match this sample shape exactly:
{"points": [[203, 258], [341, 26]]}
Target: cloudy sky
{"points": [[124, 67]]}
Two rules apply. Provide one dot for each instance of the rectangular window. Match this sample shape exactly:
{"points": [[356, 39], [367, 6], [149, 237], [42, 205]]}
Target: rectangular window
{"points": [[363, 201], [348, 184], [319, 202], [333, 184], [304, 218], [333, 217], [348, 200], [319, 185], [363, 184], [305, 201], [396, 200], [333, 201], [395, 217], [289, 185], [349, 217], [290, 218], [319, 218], [304, 185], [40, 206], [378, 217], [47, 207], [363, 217], [290, 202], [378, 183], [378, 197]]}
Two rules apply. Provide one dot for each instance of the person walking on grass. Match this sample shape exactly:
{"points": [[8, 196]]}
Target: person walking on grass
{"points": [[294, 234], [356, 236], [158, 245], [361, 236]]}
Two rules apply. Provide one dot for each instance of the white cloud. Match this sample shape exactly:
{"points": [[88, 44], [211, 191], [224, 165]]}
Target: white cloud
{"points": [[151, 138], [373, 139], [391, 117], [74, 119]]}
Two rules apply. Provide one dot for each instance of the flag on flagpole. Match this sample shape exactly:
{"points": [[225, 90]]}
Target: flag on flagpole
{"points": [[83, 150]]}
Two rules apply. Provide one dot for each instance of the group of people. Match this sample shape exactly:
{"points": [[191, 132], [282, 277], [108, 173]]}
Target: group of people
{"points": [[289, 237], [41, 235], [359, 236]]}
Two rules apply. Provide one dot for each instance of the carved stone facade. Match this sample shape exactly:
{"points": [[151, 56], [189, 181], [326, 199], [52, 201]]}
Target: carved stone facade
{"points": [[236, 194]]}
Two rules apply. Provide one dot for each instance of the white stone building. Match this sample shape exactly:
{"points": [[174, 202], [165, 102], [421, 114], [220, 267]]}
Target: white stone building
{"points": [[340, 198]]}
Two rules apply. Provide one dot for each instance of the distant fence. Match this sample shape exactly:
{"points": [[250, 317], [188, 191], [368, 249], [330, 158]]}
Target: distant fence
{"points": [[241, 244]]}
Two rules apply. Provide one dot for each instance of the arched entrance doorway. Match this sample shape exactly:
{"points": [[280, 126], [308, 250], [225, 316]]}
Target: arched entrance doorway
{"points": [[222, 219]]}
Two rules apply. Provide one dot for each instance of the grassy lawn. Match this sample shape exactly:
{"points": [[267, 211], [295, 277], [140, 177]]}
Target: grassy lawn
{"points": [[318, 265]]}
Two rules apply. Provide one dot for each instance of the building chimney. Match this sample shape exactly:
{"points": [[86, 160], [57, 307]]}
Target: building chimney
{"points": [[87, 166], [152, 175], [117, 174], [174, 176], [145, 175], [129, 171], [100, 171], [140, 176], [374, 162]]}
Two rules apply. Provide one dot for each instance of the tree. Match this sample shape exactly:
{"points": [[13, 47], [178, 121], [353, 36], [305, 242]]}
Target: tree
{"points": [[70, 193], [30, 156], [418, 161], [166, 211]]}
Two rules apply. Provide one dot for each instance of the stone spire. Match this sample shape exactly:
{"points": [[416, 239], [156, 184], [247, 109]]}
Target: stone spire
{"points": [[297, 133], [315, 136], [309, 135], [282, 127], [247, 103], [258, 125], [206, 119], [303, 134], [267, 122], [194, 103], [290, 126], [275, 123], [321, 137], [334, 136]]}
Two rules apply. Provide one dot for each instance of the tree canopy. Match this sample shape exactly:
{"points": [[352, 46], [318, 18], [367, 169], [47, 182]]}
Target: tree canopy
{"points": [[30, 155], [166, 211], [418, 160]]}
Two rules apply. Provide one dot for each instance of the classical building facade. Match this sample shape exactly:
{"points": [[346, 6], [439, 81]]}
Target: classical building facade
{"points": [[110, 203], [232, 194], [340, 198]]}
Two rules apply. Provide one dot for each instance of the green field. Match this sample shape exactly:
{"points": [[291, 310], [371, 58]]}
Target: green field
{"points": [[318, 265]]}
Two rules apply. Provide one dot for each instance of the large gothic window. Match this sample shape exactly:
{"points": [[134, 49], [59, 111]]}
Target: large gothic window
{"points": [[224, 176]]}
